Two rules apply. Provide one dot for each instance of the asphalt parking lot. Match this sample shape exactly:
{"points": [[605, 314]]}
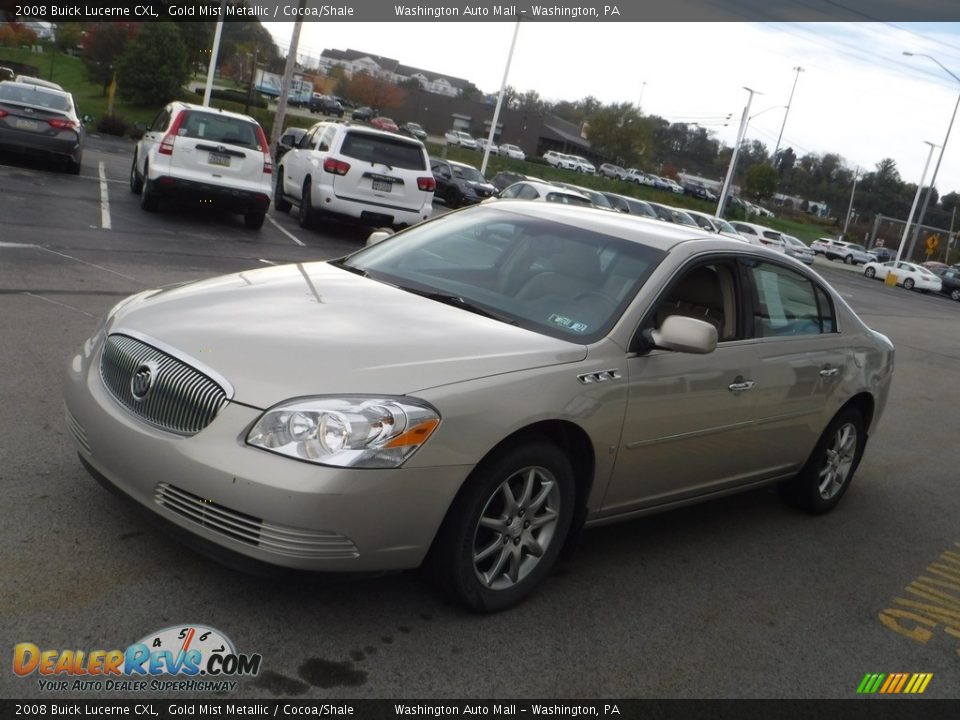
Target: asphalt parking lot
{"points": [[741, 597]]}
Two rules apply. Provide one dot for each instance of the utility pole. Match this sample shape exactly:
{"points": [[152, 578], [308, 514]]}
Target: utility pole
{"points": [[214, 52], [744, 119], [916, 198], [253, 75], [789, 103], [856, 176], [287, 77], [496, 111]]}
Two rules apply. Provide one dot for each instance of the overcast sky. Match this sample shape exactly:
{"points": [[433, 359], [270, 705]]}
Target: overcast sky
{"points": [[858, 96]]}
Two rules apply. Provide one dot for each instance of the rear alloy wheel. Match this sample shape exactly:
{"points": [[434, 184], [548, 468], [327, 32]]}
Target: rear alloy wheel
{"points": [[136, 182], [908, 284], [507, 527], [955, 295], [870, 272], [148, 198], [280, 202], [305, 213], [254, 219], [848, 260], [827, 474]]}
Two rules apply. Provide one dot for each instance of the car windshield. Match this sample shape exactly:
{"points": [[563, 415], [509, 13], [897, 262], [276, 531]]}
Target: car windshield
{"points": [[724, 226], [389, 151], [556, 279], [702, 222], [465, 172]]}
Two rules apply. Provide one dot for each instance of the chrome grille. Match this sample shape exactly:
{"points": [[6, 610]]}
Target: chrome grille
{"points": [[182, 400], [274, 538]]}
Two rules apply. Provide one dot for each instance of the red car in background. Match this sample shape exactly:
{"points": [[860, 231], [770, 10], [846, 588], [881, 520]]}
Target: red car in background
{"points": [[384, 123]]}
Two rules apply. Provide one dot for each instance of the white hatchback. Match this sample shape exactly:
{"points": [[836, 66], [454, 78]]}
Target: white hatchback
{"points": [[379, 178], [204, 154]]}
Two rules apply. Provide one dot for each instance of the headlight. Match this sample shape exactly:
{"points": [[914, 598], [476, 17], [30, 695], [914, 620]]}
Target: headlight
{"points": [[366, 432]]}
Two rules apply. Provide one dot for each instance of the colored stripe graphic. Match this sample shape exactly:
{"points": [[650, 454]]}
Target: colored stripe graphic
{"points": [[894, 683]]}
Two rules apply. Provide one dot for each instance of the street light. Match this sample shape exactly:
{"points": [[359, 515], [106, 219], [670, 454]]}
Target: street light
{"points": [[936, 168], [744, 119], [916, 198], [789, 103]]}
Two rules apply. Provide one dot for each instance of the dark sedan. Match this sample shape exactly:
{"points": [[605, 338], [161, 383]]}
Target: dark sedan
{"points": [[460, 184], [363, 113], [949, 281], [414, 130], [40, 121]]}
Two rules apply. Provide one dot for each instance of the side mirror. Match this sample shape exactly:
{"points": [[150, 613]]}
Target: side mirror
{"points": [[378, 236], [684, 334], [86, 119]]}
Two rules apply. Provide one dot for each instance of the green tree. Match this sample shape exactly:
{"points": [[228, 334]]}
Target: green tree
{"points": [[620, 133], [106, 43], [761, 182], [155, 65], [69, 35]]}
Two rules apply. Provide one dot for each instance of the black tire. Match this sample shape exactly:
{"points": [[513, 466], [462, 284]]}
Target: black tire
{"points": [[306, 215], [870, 272], [955, 295], [827, 474], [254, 219], [908, 284], [510, 550], [136, 182], [848, 260], [454, 198], [73, 168], [148, 198], [280, 202]]}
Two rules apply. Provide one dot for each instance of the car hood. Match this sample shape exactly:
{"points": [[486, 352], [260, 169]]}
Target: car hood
{"points": [[294, 330], [478, 187]]}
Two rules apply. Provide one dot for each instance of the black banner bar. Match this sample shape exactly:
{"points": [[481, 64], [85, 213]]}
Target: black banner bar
{"points": [[857, 709], [483, 10]]}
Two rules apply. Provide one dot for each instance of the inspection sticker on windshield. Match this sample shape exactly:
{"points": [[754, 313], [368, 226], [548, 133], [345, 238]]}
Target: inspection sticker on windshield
{"points": [[568, 323]]}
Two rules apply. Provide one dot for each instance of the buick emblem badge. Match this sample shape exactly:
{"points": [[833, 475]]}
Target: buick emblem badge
{"points": [[142, 381]]}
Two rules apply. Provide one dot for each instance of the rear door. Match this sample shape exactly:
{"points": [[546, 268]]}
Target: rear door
{"points": [[219, 149], [383, 170]]}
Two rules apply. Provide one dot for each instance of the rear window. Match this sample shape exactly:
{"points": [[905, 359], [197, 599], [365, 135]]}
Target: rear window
{"points": [[219, 128], [35, 95], [387, 151], [565, 199]]}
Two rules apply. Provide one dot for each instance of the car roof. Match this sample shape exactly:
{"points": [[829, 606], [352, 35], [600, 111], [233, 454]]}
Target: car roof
{"points": [[179, 104], [458, 164], [29, 80]]}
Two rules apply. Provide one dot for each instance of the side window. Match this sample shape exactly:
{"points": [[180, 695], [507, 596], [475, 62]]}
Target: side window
{"points": [[511, 192], [327, 139], [527, 192], [160, 121], [785, 303], [705, 292]]}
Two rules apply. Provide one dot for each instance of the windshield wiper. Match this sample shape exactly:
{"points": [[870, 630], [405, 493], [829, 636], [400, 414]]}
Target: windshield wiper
{"points": [[457, 301], [349, 268]]}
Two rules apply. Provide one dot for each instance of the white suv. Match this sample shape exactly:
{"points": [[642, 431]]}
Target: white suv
{"points": [[560, 160], [204, 154], [379, 178], [461, 138]]}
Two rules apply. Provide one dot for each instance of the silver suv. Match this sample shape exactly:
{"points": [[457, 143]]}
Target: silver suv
{"points": [[850, 253], [376, 177], [204, 154]]}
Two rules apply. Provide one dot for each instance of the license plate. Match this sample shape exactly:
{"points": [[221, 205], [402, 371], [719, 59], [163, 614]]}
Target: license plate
{"points": [[22, 124], [383, 185], [218, 159]]}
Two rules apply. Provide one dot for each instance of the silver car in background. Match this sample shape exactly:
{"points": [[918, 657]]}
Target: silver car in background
{"points": [[471, 391]]}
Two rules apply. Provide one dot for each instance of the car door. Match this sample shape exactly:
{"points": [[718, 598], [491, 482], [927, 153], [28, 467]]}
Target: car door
{"points": [[687, 428], [802, 361], [295, 162]]}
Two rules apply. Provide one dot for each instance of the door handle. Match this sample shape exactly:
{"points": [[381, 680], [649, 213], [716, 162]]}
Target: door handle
{"points": [[741, 385], [829, 372]]}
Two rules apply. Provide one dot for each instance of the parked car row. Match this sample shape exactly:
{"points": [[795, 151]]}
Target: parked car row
{"points": [[850, 253]]}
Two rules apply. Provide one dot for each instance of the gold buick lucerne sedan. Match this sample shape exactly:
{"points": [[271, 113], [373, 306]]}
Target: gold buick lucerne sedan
{"points": [[470, 392]]}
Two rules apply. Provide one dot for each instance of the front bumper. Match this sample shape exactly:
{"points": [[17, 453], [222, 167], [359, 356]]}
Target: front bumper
{"points": [[253, 504]]}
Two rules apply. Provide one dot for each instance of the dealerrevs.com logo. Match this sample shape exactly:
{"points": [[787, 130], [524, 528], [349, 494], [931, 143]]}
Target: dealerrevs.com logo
{"points": [[198, 657]]}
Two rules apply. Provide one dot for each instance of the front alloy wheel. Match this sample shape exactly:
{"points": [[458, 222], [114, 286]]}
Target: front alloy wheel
{"points": [[870, 272], [516, 527], [955, 295], [506, 527], [908, 283]]}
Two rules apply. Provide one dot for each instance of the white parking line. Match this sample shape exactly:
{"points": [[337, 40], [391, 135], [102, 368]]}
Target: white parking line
{"points": [[286, 232], [104, 200]]}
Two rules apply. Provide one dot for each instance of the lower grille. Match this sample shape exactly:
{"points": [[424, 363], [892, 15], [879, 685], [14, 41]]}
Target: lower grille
{"points": [[271, 537], [175, 395], [79, 434]]}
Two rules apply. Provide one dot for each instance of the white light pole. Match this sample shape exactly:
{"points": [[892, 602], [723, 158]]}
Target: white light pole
{"points": [[643, 86], [496, 111], [916, 199], [789, 103], [846, 223], [936, 168], [211, 69], [744, 119]]}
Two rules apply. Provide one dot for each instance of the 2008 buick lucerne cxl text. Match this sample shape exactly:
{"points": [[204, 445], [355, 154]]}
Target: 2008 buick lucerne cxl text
{"points": [[472, 390]]}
